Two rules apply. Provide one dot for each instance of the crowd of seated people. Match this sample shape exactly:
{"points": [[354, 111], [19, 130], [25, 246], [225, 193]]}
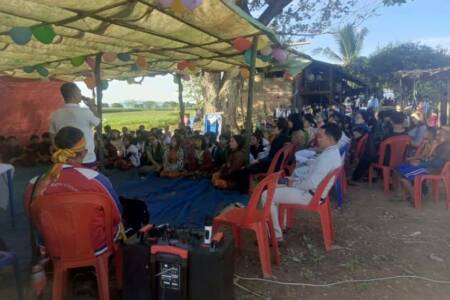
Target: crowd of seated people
{"points": [[37, 151], [187, 153]]}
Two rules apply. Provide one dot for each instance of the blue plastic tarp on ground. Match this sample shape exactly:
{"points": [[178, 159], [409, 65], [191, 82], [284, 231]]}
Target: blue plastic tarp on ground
{"points": [[179, 201]]}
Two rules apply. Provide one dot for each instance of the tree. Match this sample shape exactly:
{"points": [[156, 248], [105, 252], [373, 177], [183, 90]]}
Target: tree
{"points": [[130, 103], [193, 90], [116, 105], [105, 105], [407, 56], [350, 43], [385, 62], [292, 20], [150, 105], [170, 104]]}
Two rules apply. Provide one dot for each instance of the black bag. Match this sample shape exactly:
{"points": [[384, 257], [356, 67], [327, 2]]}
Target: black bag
{"points": [[136, 272], [135, 215]]}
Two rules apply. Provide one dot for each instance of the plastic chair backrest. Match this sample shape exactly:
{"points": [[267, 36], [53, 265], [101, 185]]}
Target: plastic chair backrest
{"points": [[361, 146], [398, 146], [269, 183], [446, 172], [65, 221], [281, 158], [327, 181]]}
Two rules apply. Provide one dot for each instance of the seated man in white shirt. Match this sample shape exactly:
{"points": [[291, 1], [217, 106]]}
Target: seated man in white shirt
{"points": [[72, 115], [301, 192]]}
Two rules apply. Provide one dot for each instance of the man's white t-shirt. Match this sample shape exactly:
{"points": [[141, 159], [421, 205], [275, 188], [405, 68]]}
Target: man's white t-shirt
{"points": [[79, 117]]}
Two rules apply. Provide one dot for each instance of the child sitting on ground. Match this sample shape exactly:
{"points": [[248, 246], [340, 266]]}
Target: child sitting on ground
{"points": [[132, 154], [45, 148], [13, 150], [153, 155], [173, 160], [221, 152], [200, 160]]}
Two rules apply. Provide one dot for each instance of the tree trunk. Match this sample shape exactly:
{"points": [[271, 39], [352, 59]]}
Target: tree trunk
{"points": [[229, 96], [222, 94], [211, 89]]}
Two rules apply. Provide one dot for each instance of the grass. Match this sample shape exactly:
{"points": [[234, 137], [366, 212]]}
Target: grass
{"points": [[149, 118]]}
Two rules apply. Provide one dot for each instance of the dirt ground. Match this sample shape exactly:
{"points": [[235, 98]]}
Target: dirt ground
{"points": [[376, 236]]}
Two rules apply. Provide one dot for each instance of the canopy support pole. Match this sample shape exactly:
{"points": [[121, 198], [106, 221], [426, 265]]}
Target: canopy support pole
{"points": [[180, 99], [99, 94], [251, 84]]}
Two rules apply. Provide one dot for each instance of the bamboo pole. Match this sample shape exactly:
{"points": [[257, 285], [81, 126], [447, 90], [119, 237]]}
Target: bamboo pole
{"points": [[99, 94], [180, 99], [251, 84]]}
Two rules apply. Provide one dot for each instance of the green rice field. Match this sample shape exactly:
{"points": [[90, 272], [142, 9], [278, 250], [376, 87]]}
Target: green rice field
{"points": [[149, 118]]}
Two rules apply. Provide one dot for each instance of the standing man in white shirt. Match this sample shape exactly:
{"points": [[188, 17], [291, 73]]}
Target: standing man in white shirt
{"points": [[301, 192], [82, 118]]}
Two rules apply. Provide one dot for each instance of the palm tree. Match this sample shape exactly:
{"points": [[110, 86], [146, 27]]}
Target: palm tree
{"points": [[350, 43]]}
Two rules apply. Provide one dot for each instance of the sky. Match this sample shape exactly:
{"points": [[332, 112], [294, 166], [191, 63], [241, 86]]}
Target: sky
{"points": [[424, 21]]}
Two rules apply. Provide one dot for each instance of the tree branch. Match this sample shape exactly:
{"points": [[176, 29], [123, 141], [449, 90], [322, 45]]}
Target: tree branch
{"points": [[244, 5], [273, 9]]}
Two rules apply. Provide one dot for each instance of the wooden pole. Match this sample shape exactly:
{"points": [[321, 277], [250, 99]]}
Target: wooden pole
{"points": [[180, 99], [447, 101], [251, 84], [99, 94]]}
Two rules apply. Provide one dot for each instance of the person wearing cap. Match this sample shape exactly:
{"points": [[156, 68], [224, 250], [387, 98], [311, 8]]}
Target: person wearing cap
{"points": [[67, 175], [72, 114]]}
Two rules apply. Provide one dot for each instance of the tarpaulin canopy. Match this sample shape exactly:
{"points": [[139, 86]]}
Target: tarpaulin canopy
{"points": [[163, 37]]}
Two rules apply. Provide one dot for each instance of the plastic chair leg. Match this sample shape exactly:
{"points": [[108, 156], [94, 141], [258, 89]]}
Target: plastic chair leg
{"points": [[101, 268], [274, 242], [435, 190], [447, 192], [263, 248], [333, 237], [58, 281], [325, 222], [237, 236], [370, 176], [418, 194], [118, 263], [386, 180]]}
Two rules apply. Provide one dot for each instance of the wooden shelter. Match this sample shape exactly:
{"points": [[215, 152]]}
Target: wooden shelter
{"points": [[324, 83], [410, 77]]}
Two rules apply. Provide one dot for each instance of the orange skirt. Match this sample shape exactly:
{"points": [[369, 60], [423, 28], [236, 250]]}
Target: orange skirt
{"points": [[221, 183]]}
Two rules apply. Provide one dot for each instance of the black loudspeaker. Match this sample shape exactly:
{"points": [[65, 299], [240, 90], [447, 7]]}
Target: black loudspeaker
{"points": [[211, 271], [169, 272], [136, 272]]}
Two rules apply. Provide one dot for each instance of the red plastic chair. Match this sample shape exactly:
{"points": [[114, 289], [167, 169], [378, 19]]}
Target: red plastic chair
{"points": [[285, 153], [398, 146], [361, 146], [258, 220], [322, 207], [65, 222], [444, 176]]}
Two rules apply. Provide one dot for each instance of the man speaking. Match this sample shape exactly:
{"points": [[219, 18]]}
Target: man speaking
{"points": [[72, 115]]}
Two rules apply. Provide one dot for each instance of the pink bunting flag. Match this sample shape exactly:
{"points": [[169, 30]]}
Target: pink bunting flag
{"points": [[165, 3], [91, 62]]}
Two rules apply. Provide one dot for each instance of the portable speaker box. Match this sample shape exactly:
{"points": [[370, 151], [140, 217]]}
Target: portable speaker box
{"points": [[211, 271]]}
